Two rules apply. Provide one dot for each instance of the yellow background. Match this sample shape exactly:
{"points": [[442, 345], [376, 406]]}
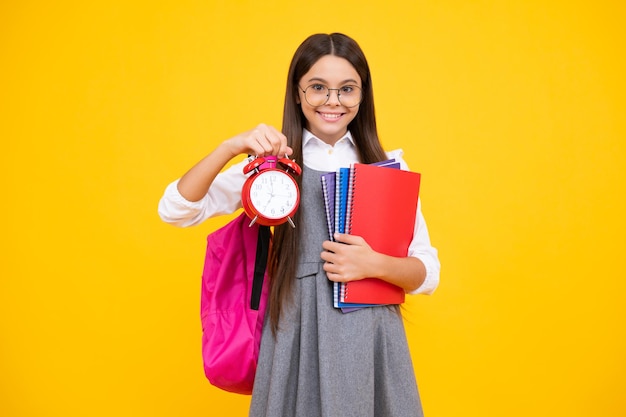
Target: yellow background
{"points": [[513, 111]]}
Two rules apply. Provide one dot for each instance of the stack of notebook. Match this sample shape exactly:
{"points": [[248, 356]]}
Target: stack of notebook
{"points": [[377, 202]]}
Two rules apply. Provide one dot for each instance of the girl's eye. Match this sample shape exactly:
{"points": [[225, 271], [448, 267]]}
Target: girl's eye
{"points": [[347, 89], [318, 87]]}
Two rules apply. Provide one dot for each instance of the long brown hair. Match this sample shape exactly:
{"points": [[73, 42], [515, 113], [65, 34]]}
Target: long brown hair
{"points": [[284, 254]]}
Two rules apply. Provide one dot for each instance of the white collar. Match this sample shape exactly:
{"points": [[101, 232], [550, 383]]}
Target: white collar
{"points": [[307, 136]]}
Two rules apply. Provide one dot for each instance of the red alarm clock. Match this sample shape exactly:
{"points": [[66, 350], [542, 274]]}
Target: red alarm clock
{"points": [[270, 196]]}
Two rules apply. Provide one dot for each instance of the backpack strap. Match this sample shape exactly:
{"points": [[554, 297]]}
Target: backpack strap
{"points": [[260, 264]]}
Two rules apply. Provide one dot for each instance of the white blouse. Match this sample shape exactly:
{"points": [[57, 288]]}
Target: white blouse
{"points": [[224, 197]]}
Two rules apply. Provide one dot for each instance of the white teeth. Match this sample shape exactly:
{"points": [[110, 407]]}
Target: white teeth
{"points": [[331, 115]]}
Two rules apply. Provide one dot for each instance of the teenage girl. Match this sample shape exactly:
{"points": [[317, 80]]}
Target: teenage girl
{"points": [[316, 360]]}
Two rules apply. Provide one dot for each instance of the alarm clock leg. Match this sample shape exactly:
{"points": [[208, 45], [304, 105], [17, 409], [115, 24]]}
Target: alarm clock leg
{"points": [[291, 222], [253, 221]]}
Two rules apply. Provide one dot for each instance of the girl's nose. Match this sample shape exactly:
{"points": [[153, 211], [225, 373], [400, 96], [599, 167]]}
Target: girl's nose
{"points": [[333, 97]]}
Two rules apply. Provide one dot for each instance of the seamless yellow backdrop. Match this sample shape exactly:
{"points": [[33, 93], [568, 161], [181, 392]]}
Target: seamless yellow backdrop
{"points": [[512, 111]]}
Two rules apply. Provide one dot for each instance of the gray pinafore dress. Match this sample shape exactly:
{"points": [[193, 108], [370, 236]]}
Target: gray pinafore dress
{"points": [[325, 363]]}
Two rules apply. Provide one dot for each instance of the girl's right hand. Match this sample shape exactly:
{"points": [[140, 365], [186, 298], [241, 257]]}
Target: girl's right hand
{"points": [[261, 141]]}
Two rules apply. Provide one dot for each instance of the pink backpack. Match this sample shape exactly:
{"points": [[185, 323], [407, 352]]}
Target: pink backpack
{"points": [[233, 303]]}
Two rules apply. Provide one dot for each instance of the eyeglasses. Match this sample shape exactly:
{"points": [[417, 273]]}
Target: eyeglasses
{"points": [[319, 94]]}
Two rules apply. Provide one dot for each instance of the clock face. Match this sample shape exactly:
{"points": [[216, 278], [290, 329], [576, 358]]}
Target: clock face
{"points": [[274, 194]]}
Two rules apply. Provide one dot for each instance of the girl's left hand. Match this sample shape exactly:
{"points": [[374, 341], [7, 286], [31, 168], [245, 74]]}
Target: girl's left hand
{"points": [[349, 258]]}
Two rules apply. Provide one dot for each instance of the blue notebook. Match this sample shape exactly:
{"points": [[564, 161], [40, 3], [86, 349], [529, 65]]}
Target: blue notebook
{"points": [[343, 186]]}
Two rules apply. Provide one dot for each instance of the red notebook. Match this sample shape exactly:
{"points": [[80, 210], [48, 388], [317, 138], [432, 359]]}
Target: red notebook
{"points": [[382, 211]]}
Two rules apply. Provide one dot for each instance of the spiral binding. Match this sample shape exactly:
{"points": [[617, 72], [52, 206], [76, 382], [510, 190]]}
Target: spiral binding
{"points": [[329, 219], [350, 205]]}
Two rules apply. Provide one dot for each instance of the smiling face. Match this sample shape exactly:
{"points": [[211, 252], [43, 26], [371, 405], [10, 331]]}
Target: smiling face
{"points": [[329, 122]]}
